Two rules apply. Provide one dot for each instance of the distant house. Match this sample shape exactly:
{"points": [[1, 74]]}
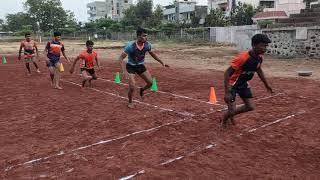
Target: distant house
{"points": [[270, 15], [275, 10], [3, 34], [183, 11], [96, 10], [116, 8], [113, 9]]}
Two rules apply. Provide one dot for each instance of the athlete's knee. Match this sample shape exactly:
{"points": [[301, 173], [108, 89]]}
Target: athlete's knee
{"points": [[231, 112], [149, 83], [131, 89], [250, 107], [88, 77]]}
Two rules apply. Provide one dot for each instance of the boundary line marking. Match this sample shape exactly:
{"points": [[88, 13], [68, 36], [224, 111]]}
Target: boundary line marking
{"points": [[163, 92], [143, 103], [212, 145], [127, 135]]}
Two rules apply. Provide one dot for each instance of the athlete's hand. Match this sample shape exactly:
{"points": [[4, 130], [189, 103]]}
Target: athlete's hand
{"points": [[165, 65], [228, 98]]}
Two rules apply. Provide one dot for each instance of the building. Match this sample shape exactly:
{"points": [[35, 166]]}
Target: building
{"points": [[278, 9], [223, 5], [183, 11], [96, 10], [116, 8], [113, 9], [288, 6]]}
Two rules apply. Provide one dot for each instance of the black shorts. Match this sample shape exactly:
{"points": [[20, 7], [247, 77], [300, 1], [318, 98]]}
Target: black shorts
{"points": [[244, 93], [90, 71], [137, 69]]}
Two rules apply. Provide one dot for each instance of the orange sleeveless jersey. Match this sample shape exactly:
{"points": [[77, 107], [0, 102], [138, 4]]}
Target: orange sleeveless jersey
{"points": [[244, 66], [86, 59]]}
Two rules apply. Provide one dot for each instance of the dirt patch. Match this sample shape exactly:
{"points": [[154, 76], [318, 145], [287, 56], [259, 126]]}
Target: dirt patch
{"points": [[90, 134]]}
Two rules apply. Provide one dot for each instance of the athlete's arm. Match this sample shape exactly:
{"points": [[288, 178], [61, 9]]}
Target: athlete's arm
{"points": [[121, 62], [20, 50], [157, 58], [227, 74], [73, 64], [264, 80]]}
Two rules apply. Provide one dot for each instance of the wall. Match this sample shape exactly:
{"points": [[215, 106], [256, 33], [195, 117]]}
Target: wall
{"points": [[238, 35], [294, 42]]}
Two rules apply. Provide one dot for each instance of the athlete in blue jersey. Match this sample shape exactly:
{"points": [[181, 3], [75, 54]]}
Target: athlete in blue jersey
{"points": [[136, 51]]}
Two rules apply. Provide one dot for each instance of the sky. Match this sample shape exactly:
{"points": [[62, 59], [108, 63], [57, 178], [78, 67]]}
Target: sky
{"points": [[77, 6]]}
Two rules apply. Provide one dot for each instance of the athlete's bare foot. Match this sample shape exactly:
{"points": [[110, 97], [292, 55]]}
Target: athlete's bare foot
{"points": [[58, 87], [232, 121], [131, 105], [141, 93]]}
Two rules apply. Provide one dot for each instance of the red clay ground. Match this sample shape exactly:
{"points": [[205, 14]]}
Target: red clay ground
{"points": [[61, 127]]}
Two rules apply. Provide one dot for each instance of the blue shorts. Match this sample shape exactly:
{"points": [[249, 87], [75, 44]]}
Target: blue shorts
{"points": [[53, 63]]}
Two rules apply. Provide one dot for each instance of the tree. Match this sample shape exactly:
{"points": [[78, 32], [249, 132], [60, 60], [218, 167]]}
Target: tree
{"points": [[242, 14], [156, 18], [144, 10], [139, 15], [130, 18], [195, 20], [50, 14], [1, 24], [216, 18], [19, 21]]}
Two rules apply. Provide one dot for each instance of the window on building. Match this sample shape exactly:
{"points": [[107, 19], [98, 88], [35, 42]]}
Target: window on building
{"points": [[118, 12], [267, 4], [126, 1]]}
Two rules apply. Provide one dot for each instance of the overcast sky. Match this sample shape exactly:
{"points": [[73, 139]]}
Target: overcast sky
{"points": [[77, 6]]}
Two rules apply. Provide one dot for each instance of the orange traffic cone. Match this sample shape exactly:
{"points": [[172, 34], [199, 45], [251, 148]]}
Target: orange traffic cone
{"points": [[212, 96]]}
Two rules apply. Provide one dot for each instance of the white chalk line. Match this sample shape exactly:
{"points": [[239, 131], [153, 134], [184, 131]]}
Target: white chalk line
{"points": [[94, 144], [196, 150], [163, 92], [143, 103], [212, 145], [256, 100], [100, 142]]}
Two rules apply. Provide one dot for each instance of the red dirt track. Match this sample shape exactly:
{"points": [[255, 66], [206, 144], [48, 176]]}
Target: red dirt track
{"points": [[62, 126]]}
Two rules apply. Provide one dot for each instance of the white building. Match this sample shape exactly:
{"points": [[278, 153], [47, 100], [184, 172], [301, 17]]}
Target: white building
{"points": [[183, 10], [278, 9], [288, 6], [96, 10], [113, 9], [116, 8]]}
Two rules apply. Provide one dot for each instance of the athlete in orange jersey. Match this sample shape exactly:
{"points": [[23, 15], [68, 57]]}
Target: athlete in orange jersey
{"points": [[29, 46], [87, 58], [242, 70]]}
